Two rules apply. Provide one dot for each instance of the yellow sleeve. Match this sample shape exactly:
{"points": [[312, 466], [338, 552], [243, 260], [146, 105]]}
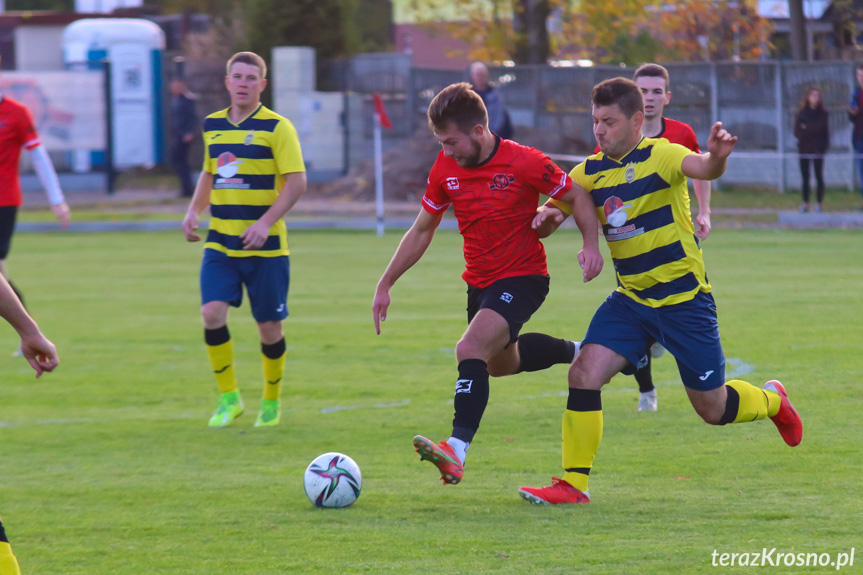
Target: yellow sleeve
{"points": [[672, 158], [577, 175], [206, 167], [286, 149]]}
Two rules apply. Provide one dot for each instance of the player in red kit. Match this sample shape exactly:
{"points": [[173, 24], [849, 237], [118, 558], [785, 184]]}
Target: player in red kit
{"points": [[494, 186], [17, 131]]}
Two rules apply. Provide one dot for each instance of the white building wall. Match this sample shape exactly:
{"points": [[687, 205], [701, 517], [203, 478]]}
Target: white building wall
{"points": [[39, 48]]}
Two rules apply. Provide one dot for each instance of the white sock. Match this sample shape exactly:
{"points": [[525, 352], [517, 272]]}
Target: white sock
{"points": [[577, 345], [459, 447]]}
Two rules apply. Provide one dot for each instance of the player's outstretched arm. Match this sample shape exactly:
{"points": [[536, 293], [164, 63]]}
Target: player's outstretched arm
{"points": [[711, 165], [200, 201], [547, 219], [36, 349], [291, 192], [412, 247]]}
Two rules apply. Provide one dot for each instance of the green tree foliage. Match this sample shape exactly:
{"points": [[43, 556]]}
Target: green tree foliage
{"points": [[622, 31], [335, 28]]}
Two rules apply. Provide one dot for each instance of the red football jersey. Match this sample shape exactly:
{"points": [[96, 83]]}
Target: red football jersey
{"points": [[494, 204], [676, 133], [17, 130]]}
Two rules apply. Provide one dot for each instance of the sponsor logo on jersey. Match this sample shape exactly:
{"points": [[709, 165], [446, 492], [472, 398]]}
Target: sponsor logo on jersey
{"points": [[615, 211], [616, 216], [227, 165], [452, 183]]}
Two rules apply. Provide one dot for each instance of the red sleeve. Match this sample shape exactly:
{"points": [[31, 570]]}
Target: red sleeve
{"points": [[689, 140], [435, 200], [29, 135], [545, 176]]}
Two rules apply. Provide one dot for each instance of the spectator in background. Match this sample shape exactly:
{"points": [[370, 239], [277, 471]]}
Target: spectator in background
{"points": [[185, 124], [498, 118], [856, 118], [812, 130]]}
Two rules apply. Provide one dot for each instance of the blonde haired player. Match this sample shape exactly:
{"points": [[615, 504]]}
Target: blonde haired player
{"points": [[253, 175]]}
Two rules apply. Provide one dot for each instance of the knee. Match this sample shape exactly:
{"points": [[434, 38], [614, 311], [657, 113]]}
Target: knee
{"points": [[581, 377], [271, 332], [213, 316], [468, 348]]}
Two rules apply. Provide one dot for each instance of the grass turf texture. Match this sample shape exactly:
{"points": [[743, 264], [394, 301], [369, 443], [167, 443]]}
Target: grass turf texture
{"points": [[108, 466]]}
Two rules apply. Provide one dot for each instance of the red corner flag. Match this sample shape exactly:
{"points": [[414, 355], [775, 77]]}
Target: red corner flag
{"points": [[382, 113]]}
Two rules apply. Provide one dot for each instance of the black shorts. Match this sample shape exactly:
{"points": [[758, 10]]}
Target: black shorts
{"points": [[515, 299], [7, 227]]}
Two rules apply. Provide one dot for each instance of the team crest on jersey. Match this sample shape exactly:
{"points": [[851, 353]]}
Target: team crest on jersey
{"points": [[250, 137], [452, 183], [629, 173], [501, 181]]}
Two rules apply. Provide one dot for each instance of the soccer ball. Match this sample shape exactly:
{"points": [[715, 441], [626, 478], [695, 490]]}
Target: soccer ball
{"points": [[333, 480]]}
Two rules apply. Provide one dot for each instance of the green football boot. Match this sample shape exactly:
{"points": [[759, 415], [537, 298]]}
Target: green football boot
{"points": [[230, 408], [269, 414]]}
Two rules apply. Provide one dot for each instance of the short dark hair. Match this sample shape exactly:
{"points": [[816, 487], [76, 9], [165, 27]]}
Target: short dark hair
{"points": [[620, 91], [458, 104], [652, 71], [247, 58]]}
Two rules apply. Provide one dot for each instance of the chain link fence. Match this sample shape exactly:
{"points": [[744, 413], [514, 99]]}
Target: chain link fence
{"points": [[757, 101]]}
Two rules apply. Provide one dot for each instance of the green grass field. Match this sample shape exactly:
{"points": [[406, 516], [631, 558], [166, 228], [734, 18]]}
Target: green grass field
{"points": [[108, 466]]}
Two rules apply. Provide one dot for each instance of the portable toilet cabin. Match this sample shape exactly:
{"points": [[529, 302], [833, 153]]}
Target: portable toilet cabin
{"points": [[134, 48]]}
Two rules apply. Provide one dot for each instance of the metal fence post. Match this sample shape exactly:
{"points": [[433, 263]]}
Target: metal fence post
{"points": [[109, 129], [780, 127]]}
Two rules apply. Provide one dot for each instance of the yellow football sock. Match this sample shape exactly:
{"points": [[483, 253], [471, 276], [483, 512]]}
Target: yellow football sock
{"points": [[222, 361], [582, 432], [273, 356], [8, 563], [753, 403]]}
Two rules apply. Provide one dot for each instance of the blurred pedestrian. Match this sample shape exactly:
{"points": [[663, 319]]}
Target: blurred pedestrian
{"points": [[856, 117], [185, 125], [499, 121], [812, 130]]}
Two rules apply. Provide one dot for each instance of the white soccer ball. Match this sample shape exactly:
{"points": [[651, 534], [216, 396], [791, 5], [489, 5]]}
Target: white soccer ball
{"points": [[333, 480]]}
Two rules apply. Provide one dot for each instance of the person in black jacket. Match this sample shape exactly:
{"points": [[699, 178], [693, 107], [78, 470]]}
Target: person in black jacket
{"points": [[186, 127], [812, 130]]}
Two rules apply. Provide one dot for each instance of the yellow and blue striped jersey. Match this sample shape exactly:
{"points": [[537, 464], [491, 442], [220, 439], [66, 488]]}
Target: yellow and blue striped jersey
{"points": [[642, 202], [248, 162]]}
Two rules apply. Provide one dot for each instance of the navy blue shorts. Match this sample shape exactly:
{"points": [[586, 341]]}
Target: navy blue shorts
{"points": [[7, 228], [689, 331], [266, 280], [515, 299]]}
